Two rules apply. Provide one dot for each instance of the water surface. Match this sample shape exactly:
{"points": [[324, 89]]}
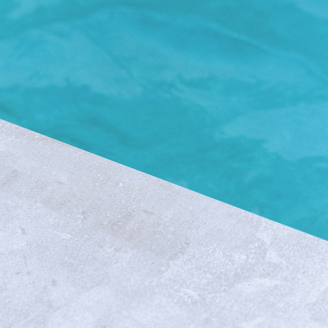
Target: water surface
{"points": [[227, 98]]}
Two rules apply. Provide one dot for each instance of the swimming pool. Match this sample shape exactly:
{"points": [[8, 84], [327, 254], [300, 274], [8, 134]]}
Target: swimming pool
{"points": [[227, 99]]}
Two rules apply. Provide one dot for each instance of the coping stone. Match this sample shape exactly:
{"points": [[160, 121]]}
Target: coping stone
{"points": [[86, 242]]}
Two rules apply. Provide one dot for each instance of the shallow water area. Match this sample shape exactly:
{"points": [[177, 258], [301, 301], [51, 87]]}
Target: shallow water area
{"points": [[229, 99]]}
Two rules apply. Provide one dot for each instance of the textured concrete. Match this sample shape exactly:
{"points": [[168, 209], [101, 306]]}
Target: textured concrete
{"points": [[85, 242]]}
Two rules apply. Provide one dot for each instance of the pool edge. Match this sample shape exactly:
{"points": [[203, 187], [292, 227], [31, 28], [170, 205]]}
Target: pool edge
{"points": [[81, 202]]}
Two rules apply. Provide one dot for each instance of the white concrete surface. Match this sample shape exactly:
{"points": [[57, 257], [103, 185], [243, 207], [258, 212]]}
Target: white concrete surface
{"points": [[85, 242]]}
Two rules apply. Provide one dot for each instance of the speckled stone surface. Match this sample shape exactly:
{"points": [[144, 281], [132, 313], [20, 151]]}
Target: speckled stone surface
{"points": [[86, 242]]}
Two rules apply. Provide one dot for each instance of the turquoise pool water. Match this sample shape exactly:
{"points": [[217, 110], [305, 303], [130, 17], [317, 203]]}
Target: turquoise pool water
{"points": [[227, 98]]}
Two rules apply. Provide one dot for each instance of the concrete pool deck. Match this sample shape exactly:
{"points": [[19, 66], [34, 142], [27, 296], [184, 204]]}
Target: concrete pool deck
{"points": [[86, 242]]}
